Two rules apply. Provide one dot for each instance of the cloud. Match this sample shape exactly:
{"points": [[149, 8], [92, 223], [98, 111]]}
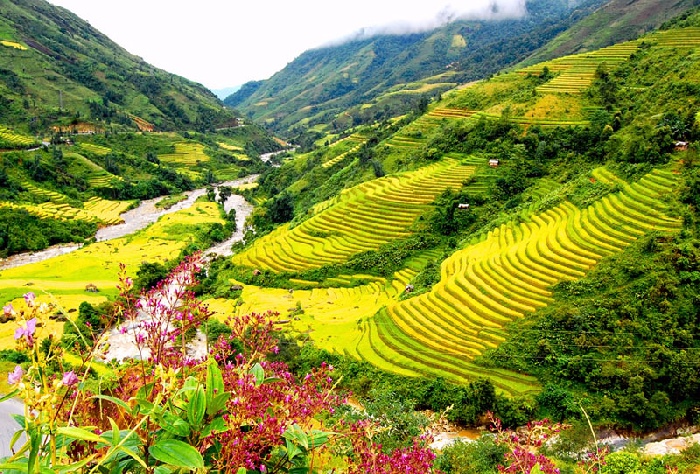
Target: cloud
{"points": [[467, 10]]}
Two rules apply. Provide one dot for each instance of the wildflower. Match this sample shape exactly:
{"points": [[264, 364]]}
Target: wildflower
{"points": [[28, 330], [29, 298], [69, 378], [8, 309], [15, 376]]}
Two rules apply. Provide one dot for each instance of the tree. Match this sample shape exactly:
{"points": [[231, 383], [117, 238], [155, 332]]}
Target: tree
{"points": [[282, 209]]}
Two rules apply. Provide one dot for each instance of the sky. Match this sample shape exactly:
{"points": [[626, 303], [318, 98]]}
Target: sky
{"points": [[225, 43]]}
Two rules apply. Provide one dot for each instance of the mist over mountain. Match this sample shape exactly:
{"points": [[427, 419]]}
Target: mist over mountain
{"points": [[342, 84], [491, 11]]}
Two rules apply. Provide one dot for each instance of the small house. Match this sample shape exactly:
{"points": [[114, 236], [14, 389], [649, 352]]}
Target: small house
{"points": [[680, 146], [493, 162]]}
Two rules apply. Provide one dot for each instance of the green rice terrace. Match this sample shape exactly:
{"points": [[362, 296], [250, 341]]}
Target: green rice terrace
{"points": [[362, 218], [495, 278]]}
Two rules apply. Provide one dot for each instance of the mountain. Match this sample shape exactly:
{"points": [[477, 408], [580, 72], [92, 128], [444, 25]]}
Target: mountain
{"points": [[225, 92], [56, 69], [341, 85], [616, 21]]}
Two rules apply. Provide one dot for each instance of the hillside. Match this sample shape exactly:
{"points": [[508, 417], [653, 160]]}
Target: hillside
{"points": [[571, 275], [614, 22], [58, 71], [383, 76]]}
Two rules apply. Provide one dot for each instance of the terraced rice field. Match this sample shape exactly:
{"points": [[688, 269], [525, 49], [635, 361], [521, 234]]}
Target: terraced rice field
{"points": [[96, 176], [186, 154], [9, 138], [94, 210], [62, 279], [96, 149], [355, 140], [678, 38], [362, 218], [506, 276], [12, 44], [576, 72]]}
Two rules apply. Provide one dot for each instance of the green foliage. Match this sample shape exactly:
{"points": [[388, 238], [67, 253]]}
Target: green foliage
{"points": [[389, 257], [281, 209], [149, 274], [79, 335], [482, 456], [21, 231], [399, 422]]}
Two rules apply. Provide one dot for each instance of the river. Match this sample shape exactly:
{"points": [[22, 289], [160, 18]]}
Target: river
{"points": [[144, 215]]}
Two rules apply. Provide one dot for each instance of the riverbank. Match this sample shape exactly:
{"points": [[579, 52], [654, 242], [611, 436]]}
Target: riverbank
{"points": [[139, 218]]}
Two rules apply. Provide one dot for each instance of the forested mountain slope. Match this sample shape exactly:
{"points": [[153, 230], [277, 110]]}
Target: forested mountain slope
{"points": [[56, 69], [341, 85]]}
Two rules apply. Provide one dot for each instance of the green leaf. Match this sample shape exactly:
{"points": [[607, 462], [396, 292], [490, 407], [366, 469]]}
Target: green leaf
{"points": [[536, 469], [176, 453], [292, 449], [13, 466], [19, 419], [296, 434], [217, 425], [218, 404], [175, 425], [299, 470], [115, 431], [318, 438], [197, 407], [80, 433], [116, 401], [34, 445], [15, 438], [162, 470], [214, 383], [241, 470], [190, 385], [258, 372], [9, 395], [75, 467]]}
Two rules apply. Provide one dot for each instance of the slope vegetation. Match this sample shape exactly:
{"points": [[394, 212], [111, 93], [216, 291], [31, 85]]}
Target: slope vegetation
{"points": [[55, 66]]}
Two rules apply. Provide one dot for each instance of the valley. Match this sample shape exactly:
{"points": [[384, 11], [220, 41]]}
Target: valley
{"points": [[523, 245]]}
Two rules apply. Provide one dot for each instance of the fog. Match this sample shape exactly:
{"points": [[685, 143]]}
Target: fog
{"points": [[464, 10]]}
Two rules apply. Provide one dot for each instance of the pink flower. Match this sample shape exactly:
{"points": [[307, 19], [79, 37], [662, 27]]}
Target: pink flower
{"points": [[28, 330], [29, 298], [15, 376], [69, 378], [8, 309]]}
